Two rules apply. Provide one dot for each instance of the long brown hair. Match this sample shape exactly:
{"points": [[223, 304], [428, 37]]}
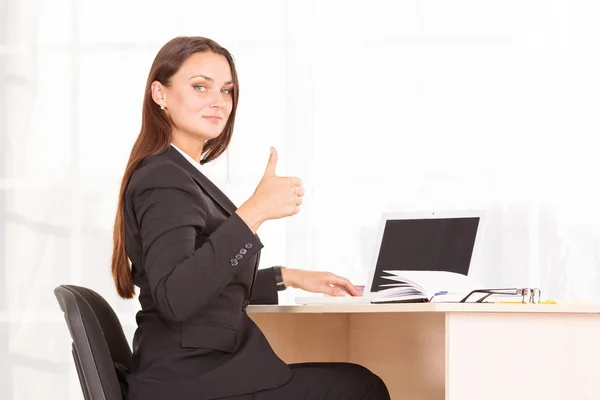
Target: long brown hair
{"points": [[156, 135]]}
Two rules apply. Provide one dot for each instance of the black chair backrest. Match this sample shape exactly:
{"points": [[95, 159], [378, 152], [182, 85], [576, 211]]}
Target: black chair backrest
{"points": [[99, 344]]}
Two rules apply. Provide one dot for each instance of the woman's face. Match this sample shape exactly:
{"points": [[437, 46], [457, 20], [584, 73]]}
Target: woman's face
{"points": [[199, 98]]}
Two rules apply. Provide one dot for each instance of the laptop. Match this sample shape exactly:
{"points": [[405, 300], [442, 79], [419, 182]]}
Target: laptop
{"points": [[416, 241]]}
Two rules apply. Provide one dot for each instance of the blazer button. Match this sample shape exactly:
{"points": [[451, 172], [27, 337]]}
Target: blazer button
{"points": [[243, 251], [234, 262], [248, 246], [238, 256], [245, 305]]}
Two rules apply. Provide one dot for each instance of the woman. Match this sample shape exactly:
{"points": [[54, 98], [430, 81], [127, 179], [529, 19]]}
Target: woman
{"points": [[194, 255]]}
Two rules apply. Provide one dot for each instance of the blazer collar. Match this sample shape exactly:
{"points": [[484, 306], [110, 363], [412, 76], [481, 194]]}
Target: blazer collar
{"points": [[206, 184]]}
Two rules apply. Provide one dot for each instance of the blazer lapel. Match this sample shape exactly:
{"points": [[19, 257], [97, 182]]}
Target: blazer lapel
{"points": [[210, 188]]}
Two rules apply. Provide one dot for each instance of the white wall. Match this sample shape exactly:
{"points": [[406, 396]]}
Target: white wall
{"points": [[377, 106]]}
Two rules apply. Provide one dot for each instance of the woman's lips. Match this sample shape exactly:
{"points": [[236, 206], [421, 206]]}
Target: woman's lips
{"points": [[213, 119]]}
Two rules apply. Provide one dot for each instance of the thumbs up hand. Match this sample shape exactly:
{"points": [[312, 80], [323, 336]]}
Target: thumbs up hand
{"points": [[278, 196], [275, 197]]}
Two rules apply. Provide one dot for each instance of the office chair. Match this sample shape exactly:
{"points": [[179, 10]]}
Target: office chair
{"points": [[99, 344]]}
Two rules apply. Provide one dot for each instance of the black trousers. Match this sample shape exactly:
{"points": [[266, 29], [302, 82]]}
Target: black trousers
{"points": [[326, 381]]}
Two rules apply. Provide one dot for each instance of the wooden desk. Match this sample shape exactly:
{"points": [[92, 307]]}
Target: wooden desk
{"points": [[450, 351]]}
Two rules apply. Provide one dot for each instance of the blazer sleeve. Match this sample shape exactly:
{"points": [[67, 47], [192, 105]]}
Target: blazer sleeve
{"points": [[265, 288], [170, 211]]}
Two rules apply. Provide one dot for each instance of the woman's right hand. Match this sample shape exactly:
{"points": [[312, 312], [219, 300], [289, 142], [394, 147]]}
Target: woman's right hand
{"points": [[275, 196]]}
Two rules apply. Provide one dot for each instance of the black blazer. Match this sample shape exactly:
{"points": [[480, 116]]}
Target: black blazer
{"points": [[196, 264]]}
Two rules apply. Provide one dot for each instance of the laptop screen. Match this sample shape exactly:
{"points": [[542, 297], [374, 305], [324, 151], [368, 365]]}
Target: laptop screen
{"points": [[430, 244]]}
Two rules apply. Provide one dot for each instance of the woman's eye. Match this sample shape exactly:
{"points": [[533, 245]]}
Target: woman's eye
{"points": [[226, 91], [199, 88]]}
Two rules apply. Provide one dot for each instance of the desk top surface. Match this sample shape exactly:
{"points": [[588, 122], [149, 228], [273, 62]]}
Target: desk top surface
{"points": [[571, 308]]}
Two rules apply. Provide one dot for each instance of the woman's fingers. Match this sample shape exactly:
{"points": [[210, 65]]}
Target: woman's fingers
{"points": [[344, 284]]}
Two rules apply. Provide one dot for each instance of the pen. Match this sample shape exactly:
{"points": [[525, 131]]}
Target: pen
{"points": [[441, 293]]}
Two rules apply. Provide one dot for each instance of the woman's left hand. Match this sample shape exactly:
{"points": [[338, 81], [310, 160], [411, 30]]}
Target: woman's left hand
{"points": [[318, 282]]}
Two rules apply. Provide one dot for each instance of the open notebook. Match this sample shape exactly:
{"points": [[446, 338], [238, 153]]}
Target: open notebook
{"points": [[431, 286], [418, 257]]}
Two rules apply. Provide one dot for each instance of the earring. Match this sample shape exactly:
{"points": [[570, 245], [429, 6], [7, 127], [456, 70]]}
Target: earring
{"points": [[162, 106]]}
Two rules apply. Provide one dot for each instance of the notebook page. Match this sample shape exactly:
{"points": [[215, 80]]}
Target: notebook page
{"points": [[433, 282]]}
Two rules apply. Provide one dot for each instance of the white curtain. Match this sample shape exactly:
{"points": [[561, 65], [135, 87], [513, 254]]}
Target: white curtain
{"points": [[377, 106]]}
